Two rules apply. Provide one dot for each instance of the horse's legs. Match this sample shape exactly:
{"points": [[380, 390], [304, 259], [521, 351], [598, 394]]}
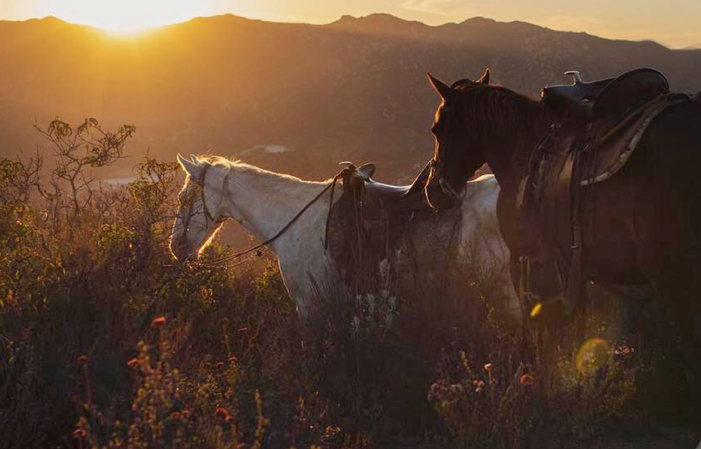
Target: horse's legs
{"points": [[679, 290], [631, 302], [515, 268]]}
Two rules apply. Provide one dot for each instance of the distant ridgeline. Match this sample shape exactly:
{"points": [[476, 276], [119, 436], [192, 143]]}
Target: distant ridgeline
{"points": [[306, 96]]}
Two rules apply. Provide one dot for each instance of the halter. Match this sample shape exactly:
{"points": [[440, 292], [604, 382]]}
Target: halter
{"points": [[257, 248], [437, 167], [201, 184], [207, 214]]}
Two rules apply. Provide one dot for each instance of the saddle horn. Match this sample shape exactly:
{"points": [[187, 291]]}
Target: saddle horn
{"points": [[576, 76]]}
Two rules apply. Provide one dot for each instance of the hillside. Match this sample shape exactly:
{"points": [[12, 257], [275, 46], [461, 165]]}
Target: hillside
{"points": [[292, 97]]}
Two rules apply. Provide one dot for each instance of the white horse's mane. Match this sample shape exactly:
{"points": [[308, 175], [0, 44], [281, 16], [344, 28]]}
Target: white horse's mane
{"points": [[242, 167]]}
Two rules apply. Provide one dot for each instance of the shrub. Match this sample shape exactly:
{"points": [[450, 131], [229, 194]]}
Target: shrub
{"points": [[105, 341]]}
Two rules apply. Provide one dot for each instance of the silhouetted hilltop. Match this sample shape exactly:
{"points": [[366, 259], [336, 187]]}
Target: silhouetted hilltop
{"points": [[293, 97]]}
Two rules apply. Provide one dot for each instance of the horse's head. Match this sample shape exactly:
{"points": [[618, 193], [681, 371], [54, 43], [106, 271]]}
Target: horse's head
{"points": [[455, 157], [200, 213]]}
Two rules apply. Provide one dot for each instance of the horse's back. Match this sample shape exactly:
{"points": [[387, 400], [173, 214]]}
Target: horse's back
{"points": [[671, 155], [675, 138]]}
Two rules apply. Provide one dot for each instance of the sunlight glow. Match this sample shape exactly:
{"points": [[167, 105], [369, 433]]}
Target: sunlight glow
{"points": [[536, 310], [126, 16], [593, 354]]}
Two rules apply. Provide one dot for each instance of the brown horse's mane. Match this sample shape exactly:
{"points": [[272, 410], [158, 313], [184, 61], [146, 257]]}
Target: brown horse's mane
{"points": [[489, 106]]}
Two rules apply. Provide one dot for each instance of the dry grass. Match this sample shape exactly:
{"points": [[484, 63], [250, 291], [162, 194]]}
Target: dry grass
{"points": [[104, 343]]}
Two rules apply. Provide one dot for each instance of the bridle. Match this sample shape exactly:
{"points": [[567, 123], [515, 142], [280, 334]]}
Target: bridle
{"points": [[207, 214], [437, 163], [222, 218]]}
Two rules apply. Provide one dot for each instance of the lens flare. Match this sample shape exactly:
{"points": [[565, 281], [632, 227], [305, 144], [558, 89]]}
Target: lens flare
{"points": [[593, 354]]}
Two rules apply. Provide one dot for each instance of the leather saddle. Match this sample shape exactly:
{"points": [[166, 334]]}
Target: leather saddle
{"points": [[369, 223], [606, 97], [599, 126], [602, 121], [381, 201]]}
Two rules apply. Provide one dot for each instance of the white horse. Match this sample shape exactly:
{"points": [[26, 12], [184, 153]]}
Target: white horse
{"points": [[263, 202]]}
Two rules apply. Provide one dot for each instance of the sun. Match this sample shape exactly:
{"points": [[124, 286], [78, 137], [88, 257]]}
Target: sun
{"points": [[126, 16]]}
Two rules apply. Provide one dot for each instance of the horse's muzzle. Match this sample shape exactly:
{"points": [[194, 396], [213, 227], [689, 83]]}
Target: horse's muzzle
{"points": [[180, 249]]}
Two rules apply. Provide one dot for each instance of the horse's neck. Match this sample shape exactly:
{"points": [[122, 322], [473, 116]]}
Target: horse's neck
{"points": [[512, 135], [264, 202]]}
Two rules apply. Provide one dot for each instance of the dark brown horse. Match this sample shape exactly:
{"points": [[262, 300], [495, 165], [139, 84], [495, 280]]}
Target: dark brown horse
{"points": [[645, 226]]}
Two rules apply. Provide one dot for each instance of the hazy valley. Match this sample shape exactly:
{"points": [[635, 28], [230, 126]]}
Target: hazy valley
{"points": [[291, 97]]}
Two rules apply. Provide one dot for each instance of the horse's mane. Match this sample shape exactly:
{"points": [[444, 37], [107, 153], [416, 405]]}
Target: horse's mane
{"points": [[494, 103], [242, 167], [489, 105]]}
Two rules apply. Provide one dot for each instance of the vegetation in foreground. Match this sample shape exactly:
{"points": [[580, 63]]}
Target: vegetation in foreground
{"points": [[106, 342]]}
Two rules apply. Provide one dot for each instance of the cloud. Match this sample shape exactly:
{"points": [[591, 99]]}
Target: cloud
{"points": [[428, 6], [574, 22]]}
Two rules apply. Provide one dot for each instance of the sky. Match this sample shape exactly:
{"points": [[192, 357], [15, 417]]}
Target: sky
{"points": [[674, 23]]}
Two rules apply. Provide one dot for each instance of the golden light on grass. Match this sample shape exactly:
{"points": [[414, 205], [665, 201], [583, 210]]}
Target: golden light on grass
{"points": [[536, 310], [592, 355], [126, 16]]}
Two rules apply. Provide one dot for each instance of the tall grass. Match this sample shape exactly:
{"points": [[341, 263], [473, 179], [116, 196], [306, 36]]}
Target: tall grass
{"points": [[106, 342]]}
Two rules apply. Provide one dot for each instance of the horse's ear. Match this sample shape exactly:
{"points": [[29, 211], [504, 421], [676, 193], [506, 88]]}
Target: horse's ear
{"points": [[190, 167], [440, 87], [485, 78]]}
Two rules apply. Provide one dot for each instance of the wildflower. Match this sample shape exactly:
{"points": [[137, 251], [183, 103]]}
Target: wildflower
{"points": [[83, 359], [526, 380], [536, 310], [331, 431], [133, 363], [157, 322], [625, 350], [488, 367], [438, 391], [456, 389], [221, 413], [79, 433]]}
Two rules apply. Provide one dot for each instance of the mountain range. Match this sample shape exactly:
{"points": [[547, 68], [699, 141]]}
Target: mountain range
{"points": [[291, 97]]}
